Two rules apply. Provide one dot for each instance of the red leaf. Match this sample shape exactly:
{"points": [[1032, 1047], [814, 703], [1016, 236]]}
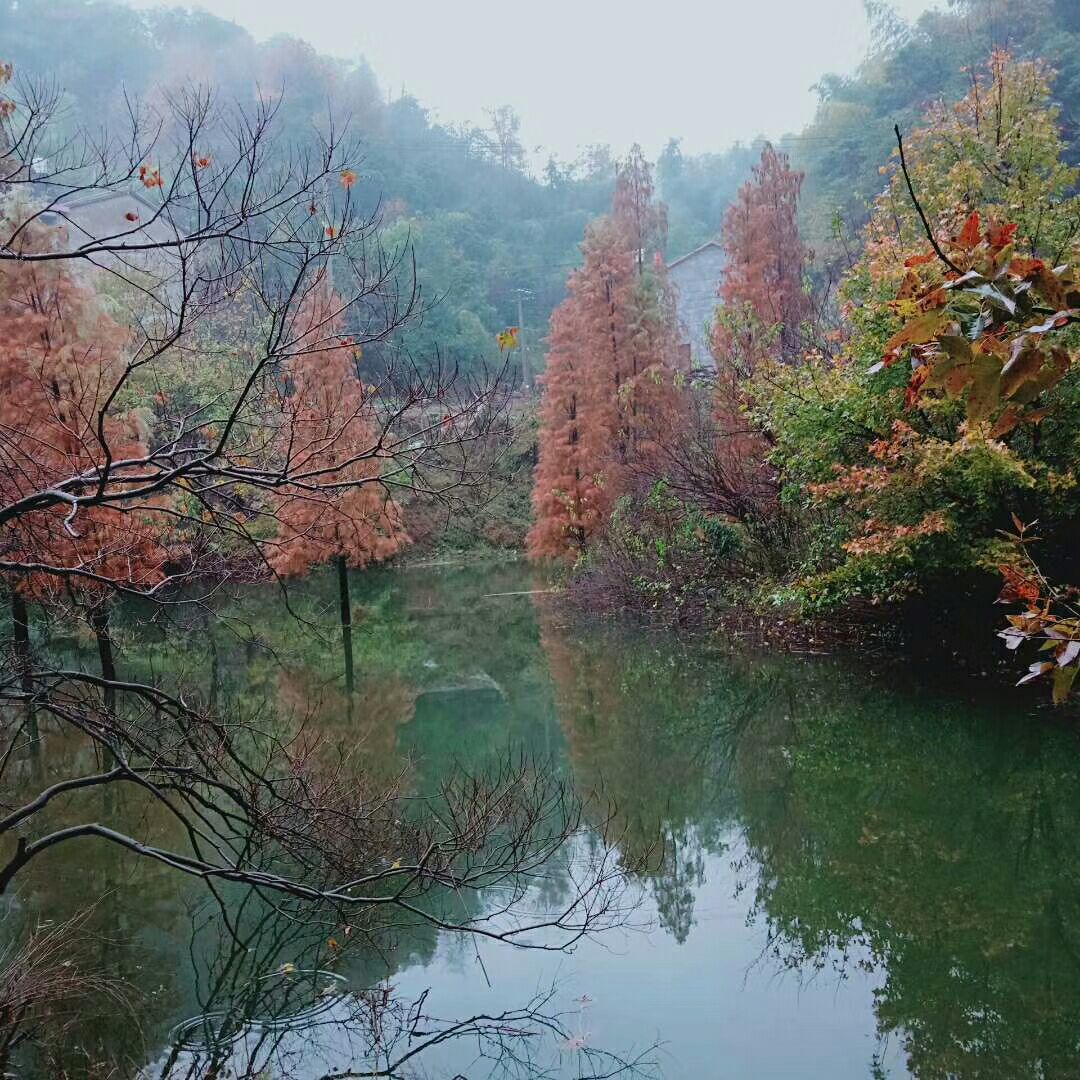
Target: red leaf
{"points": [[969, 234], [920, 260], [1024, 268], [918, 377], [1000, 236], [1018, 587]]}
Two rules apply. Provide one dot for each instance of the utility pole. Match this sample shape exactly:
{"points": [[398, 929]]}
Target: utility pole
{"points": [[526, 373]]}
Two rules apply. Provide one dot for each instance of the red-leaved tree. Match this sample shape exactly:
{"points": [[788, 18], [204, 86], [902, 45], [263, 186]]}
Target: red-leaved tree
{"points": [[762, 288], [330, 429], [61, 358], [611, 378]]}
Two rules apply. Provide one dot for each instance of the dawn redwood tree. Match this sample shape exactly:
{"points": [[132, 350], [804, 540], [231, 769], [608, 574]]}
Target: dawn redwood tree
{"points": [[612, 370], [570, 494], [60, 355], [636, 209], [329, 421], [762, 289], [649, 392]]}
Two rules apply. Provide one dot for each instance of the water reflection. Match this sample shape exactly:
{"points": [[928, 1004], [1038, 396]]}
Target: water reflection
{"points": [[925, 839], [848, 876]]}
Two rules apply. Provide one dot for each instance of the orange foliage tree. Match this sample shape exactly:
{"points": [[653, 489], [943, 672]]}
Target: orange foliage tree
{"points": [[762, 289], [329, 429], [61, 359], [611, 381]]}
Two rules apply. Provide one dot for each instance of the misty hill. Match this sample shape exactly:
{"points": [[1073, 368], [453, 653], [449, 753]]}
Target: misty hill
{"points": [[486, 231]]}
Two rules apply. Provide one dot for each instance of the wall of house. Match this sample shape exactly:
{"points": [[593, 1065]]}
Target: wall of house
{"points": [[696, 279]]}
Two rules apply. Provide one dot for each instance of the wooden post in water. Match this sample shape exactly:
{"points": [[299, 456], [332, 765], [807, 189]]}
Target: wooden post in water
{"points": [[346, 621]]}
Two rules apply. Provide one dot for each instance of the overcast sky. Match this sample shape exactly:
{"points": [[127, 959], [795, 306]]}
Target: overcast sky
{"points": [[591, 71]]}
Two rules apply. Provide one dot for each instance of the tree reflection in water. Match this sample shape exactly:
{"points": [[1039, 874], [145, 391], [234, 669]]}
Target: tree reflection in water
{"points": [[314, 1017], [925, 837], [921, 841]]}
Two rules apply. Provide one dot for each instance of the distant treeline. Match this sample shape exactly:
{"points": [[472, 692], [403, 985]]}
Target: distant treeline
{"points": [[486, 230]]}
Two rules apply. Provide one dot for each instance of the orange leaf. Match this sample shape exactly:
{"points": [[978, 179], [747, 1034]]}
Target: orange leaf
{"points": [[918, 377], [909, 287], [348, 178], [1023, 268], [920, 260], [1018, 587], [1000, 236], [1006, 422], [969, 234]]}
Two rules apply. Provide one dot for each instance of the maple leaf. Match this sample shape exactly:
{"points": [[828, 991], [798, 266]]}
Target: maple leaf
{"points": [[202, 161], [348, 178], [131, 216], [969, 234], [1018, 587]]}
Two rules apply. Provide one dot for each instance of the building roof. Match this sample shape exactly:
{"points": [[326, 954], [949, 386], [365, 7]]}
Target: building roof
{"points": [[697, 251], [92, 198]]}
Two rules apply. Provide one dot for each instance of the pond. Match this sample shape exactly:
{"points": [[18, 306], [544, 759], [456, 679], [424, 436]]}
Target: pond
{"points": [[841, 868]]}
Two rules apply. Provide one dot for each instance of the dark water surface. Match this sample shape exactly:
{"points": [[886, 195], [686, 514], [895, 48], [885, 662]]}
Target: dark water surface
{"points": [[851, 873]]}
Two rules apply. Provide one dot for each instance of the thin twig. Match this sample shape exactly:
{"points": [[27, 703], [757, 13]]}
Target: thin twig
{"points": [[918, 206]]}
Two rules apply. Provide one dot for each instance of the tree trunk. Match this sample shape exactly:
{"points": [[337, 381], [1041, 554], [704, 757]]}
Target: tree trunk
{"points": [[20, 621], [346, 621], [99, 620]]}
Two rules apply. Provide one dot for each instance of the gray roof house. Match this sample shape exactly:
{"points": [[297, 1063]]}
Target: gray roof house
{"points": [[696, 276], [127, 217]]}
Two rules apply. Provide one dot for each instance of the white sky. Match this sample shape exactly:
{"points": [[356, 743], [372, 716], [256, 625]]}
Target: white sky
{"points": [[591, 71]]}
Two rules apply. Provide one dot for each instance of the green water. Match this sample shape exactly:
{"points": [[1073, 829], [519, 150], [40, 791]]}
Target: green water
{"points": [[852, 872]]}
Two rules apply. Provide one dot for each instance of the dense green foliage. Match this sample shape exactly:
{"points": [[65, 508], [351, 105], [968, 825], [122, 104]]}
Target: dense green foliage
{"points": [[925, 459], [909, 68]]}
